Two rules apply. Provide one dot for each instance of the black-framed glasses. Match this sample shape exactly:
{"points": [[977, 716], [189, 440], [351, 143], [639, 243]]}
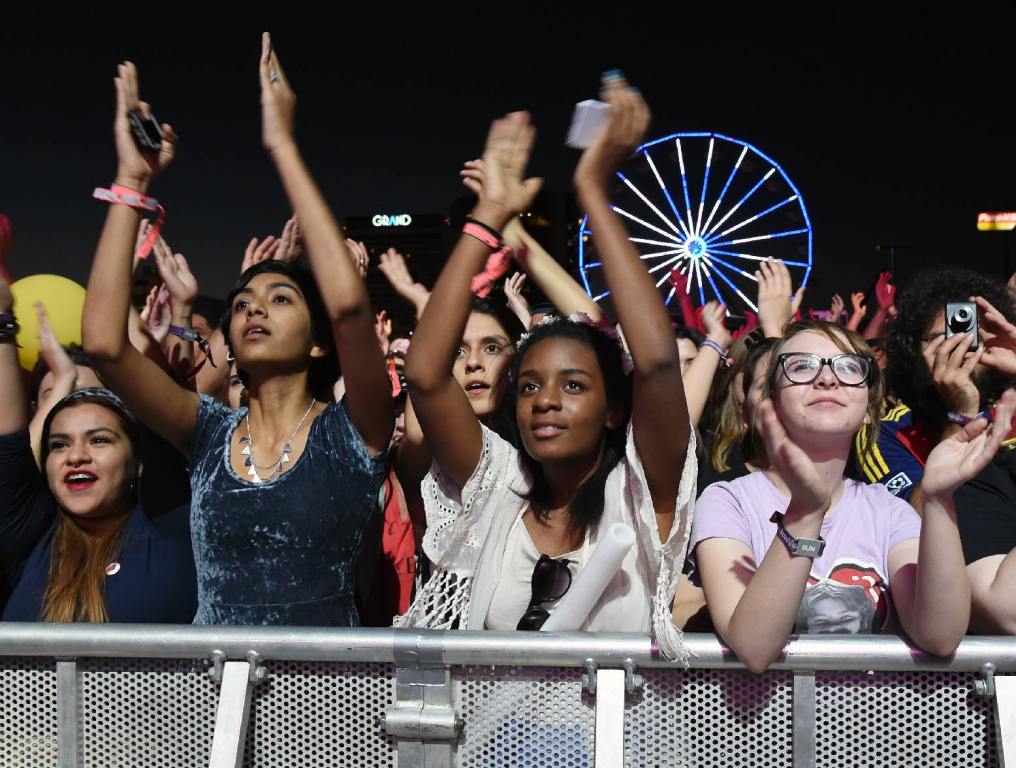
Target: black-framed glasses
{"points": [[804, 367], [551, 580]]}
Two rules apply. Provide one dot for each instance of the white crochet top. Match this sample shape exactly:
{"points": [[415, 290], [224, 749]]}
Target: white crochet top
{"points": [[467, 532]]}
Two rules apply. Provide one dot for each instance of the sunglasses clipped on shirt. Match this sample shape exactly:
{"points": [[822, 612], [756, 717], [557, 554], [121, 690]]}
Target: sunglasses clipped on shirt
{"points": [[551, 580]]}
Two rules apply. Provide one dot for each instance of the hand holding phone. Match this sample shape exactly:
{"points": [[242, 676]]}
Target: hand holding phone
{"points": [[146, 130]]}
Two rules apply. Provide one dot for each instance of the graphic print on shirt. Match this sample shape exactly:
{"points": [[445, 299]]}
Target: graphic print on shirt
{"points": [[852, 598]]}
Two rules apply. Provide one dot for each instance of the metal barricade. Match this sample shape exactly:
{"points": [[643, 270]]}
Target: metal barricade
{"points": [[134, 695]]}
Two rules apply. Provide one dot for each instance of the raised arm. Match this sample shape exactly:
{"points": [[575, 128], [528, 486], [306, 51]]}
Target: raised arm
{"points": [[560, 288], [445, 414], [659, 410], [14, 414], [153, 397], [698, 379], [885, 296], [930, 589], [368, 392]]}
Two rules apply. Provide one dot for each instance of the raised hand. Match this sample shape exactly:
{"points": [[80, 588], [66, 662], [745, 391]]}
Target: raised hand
{"points": [[258, 251], [516, 301], [961, 457], [858, 312], [776, 304], [714, 317], [289, 247], [157, 313], [393, 266], [999, 338], [885, 292], [175, 274], [624, 130], [135, 169], [836, 308], [358, 253], [383, 330], [952, 364], [278, 102], [504, 190], [808, 491], [65, 372]]}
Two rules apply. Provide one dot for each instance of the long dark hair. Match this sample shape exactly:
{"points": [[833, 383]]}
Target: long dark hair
{"points": [[324, 371], [925, 296], [586, 507]]}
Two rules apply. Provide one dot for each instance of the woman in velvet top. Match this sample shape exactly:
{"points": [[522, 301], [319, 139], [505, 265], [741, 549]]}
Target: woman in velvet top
{"points": [[283, 489]]}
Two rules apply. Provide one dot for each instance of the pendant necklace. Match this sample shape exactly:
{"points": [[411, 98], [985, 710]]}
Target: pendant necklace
{"points": [[247, 441]]}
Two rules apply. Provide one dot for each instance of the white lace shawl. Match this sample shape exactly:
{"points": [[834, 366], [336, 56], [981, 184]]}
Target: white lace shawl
{"points": [[467, 533]]}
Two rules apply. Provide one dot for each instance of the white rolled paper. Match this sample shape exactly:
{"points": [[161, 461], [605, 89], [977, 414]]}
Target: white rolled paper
{"points": [[574, 608]]}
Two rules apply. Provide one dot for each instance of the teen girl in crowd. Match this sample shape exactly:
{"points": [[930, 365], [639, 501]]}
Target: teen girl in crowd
{"points": [[599, 446], [797, 547], [283, 489]]}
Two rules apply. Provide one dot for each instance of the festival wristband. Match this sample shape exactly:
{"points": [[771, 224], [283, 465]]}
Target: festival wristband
{"points": [[724, 356], [191, 335], [121, 195], [9, 327], [959, 418], [484, 234]]}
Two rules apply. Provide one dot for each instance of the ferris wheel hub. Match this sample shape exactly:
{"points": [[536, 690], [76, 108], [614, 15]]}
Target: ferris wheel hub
{"points": [[696, 247]]}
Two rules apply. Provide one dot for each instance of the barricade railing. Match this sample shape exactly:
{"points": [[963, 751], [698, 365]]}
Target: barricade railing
{"points": [[144, 695]]}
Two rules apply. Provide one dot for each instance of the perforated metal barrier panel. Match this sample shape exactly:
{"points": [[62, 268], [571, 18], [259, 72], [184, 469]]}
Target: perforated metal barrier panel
{"points": [[710, 718], [535, 717], [28, 714], [162, 713]]}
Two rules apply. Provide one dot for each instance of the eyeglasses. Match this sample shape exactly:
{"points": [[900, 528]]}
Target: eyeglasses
{"points": [[551, 580], [805, 367]]}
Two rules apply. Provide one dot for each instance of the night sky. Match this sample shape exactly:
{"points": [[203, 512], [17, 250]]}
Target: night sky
{"points": [[887, 143]]}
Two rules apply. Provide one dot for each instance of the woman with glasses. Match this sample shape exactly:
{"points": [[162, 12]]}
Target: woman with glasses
{"points": [[790, 549], [510, 525]]}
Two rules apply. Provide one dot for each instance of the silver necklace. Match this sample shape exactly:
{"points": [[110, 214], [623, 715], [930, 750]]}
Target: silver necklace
{"points": [[247, 442]]}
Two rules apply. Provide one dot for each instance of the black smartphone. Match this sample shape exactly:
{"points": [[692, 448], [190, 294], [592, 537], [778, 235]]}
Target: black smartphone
{"points": [[961, 317], [146, 130]]}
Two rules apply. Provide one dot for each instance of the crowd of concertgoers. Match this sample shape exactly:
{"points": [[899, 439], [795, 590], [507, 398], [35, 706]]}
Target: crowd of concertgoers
{"points": [[276, 457]]}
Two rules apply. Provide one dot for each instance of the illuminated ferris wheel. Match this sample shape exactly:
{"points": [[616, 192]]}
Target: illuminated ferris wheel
{"points": [[732, 207]]}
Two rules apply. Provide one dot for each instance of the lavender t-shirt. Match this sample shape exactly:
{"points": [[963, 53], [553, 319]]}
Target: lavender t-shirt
{"points": [[848, 586]]}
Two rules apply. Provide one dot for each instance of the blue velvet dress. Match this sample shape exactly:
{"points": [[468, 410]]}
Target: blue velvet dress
{"points": [[283, 552]]}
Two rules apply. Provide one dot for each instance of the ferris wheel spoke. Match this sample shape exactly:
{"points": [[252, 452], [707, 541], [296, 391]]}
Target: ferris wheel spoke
{"points": [[712, 283], [740, 202], [601, 296], [750, 257], [673, 238], [663, 264], [773, 236], [684, 181], [733, 287], [701, 287], [705, 185], [666, 192], [656, 255], [723, 192], [670, 296], [643, 241], [628, 183], [758, 216], [733, 267]]}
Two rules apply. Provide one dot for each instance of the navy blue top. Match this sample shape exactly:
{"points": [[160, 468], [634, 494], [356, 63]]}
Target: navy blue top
{"points": [[285, 551], [154, 583]]}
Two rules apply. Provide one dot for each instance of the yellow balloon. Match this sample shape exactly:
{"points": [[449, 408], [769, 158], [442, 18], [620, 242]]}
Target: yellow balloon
{"points": [[64, 301]]}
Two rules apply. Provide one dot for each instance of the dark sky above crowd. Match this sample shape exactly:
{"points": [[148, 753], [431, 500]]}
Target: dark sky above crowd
{"points": [[888, 142]]}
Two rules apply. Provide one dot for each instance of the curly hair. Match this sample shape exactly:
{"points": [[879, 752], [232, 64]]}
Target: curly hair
{"points": [[586, 507], [906, 372]]}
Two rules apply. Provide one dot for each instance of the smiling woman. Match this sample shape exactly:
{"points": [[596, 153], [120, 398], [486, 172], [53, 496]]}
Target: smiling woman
{"points": [[797, 547], [95, 555]]}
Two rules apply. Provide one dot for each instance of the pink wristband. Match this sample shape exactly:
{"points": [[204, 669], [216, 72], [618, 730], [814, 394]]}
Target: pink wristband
{"points": [[121, 195], [481, 234]]}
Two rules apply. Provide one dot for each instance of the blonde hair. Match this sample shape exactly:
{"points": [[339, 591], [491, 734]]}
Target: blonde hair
{"points": [[851, 343], [75, 590], [728, 428]]}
